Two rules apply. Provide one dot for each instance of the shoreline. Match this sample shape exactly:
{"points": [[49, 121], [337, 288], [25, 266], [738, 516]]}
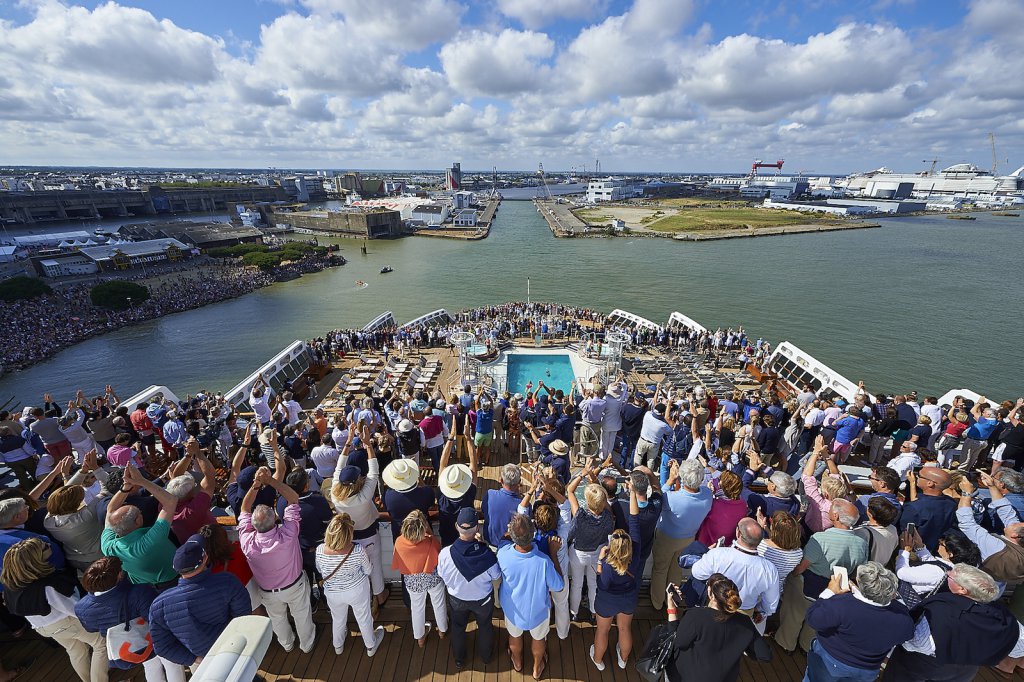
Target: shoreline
{"points": [[149, 315]]}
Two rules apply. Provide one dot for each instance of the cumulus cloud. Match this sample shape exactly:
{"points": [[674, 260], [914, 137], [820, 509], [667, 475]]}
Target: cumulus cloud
{"points": [[418, 83], [534, 14], [497, 64]]}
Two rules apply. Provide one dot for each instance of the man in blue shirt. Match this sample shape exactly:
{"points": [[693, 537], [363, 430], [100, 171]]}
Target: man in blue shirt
{"points": [[682, 512], [528, 577], [499, 506], [484, 428]]}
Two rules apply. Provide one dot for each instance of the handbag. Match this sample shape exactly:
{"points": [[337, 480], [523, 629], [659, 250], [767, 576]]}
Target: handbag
{"points": [[132, 642], [321, 582], [658, 651]]}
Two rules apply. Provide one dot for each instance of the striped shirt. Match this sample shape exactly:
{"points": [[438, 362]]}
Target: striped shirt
{"points": [[784, 560], [353, 573]]}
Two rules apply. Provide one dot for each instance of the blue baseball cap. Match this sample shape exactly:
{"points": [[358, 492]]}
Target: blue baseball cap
{"points": [[188, 557]]}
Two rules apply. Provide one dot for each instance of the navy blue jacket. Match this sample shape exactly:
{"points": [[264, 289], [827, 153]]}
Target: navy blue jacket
{"points": [[187, 619], [113, 608]]}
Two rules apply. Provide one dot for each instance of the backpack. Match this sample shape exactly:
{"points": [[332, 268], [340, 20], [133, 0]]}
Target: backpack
{"points": [[910, 596], [130, 642]]}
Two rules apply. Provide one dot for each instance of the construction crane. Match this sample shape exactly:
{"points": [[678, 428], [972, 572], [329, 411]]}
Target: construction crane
{"points": [[934, 162], [995, 162], [760, 164]]}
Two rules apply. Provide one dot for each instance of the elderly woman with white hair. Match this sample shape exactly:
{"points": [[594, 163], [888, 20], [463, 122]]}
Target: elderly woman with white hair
{"points": [[592, 523], [858, 622], [781, 493], [82, 442]]}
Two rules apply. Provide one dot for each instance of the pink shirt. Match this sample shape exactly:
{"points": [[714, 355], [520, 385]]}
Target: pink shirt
{"points": [[275, 556], [121, 455], [816, 518], [191, 516]]}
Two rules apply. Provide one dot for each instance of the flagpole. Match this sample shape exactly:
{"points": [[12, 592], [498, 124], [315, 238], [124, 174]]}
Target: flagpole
{"points": [[527, 290]]}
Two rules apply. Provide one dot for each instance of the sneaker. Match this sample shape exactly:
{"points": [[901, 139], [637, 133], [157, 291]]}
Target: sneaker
{"points": [[378, 637], [599, 665], [339, 650], [288, 648], [618, 655]]}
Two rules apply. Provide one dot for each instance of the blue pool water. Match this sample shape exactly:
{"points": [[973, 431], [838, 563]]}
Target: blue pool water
{"points": [[553, 370]]}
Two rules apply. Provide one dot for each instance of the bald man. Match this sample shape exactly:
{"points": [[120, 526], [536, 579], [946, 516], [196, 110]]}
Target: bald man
{"points": [[756, 578], [933, 512], [835, 546]]}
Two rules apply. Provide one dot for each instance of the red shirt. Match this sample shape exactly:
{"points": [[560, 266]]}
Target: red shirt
{"points": [[190, 516], [236, 565], [142, 423]]}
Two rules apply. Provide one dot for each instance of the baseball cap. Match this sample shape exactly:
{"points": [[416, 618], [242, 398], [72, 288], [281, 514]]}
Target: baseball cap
{"points": [[188, 557], [467, 518]]}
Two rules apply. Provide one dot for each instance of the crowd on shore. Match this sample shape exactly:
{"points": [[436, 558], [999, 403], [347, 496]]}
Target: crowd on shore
{"points": [[39, 328], [736, 502]]}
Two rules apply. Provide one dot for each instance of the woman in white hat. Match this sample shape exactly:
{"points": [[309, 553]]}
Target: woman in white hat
{"points": [[352, 493], [456, 491]]}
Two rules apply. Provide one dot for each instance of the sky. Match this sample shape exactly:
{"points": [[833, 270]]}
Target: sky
{"points": [[831, 86]]}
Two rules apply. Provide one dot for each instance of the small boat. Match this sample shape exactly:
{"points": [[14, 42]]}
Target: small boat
{"points": [[1006, 214], [361, 284], [961, 217], [386, 269]]}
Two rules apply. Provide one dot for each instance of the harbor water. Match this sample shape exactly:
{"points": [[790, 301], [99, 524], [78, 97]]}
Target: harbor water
{"points": [[920, 303]]}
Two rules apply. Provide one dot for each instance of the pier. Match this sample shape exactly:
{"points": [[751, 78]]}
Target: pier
{"points": [[468, 234], [560, 218]]}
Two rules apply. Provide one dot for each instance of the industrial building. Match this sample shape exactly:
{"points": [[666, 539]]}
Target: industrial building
{"points": [[848, 206], [431, 215], [612, 189], [112, 257], [453, 177], [368, 223], [199, 235]]}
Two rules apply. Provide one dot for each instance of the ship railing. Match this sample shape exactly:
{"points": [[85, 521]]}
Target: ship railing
{"points": [[677, 319], [150, 394], [289, 364], [624, 318], [797, 367], [439, 316], [384, 320]]}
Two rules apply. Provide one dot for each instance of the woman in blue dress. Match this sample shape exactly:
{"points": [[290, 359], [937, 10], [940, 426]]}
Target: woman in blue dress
{"points": [[619, 571]]}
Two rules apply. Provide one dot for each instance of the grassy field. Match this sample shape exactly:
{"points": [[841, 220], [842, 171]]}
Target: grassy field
{"points": [[732, 218]]}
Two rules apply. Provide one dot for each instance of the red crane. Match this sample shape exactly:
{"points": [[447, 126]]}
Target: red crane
{"points": [[760, 164]]}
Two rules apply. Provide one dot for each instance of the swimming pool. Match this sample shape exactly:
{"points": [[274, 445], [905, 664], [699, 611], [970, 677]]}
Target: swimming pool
{"points": [[554, 370]]}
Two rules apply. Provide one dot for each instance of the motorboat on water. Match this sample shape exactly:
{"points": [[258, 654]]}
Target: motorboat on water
{"points": [[386, 269]]}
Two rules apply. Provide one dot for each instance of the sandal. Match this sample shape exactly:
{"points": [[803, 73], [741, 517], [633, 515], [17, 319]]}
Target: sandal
{"points": [[543, 668], [520, 668]]}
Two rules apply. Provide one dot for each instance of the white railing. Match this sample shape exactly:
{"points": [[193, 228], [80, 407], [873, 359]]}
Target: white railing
{"points": [[624, 318], [385, 319], [810, 368], [148, 394], [288, 364], [439, 316], [681, 320]]}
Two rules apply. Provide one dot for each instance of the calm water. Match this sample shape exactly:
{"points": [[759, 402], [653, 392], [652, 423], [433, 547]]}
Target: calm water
{"points": [[553, 370], [921, 303]]}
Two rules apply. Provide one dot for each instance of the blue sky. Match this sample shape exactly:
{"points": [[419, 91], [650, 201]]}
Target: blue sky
{"points": [[667, 85]]}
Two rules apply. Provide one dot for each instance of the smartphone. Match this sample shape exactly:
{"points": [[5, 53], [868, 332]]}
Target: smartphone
{"points": [[843, 575], [911, 529], [720, 542]]}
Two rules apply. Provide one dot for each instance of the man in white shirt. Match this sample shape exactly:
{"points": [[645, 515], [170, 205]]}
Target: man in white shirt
{"points": [[470, 573], [290, 407], [260, 399], [756, 577], [906, 460]]}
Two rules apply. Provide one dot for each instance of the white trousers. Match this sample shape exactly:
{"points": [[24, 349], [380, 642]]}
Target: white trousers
{"points": [[438, 601], [560, 600], [161, 670], [371, 546], [608, 441], [582, 565], [296, 600], [357, 597]]}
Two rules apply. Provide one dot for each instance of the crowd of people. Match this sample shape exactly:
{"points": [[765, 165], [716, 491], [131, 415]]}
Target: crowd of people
{"points": [[736, 503], [38, 328]]}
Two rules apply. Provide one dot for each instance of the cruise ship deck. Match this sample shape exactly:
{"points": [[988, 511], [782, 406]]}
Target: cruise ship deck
{"points": [[399, 658]]}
